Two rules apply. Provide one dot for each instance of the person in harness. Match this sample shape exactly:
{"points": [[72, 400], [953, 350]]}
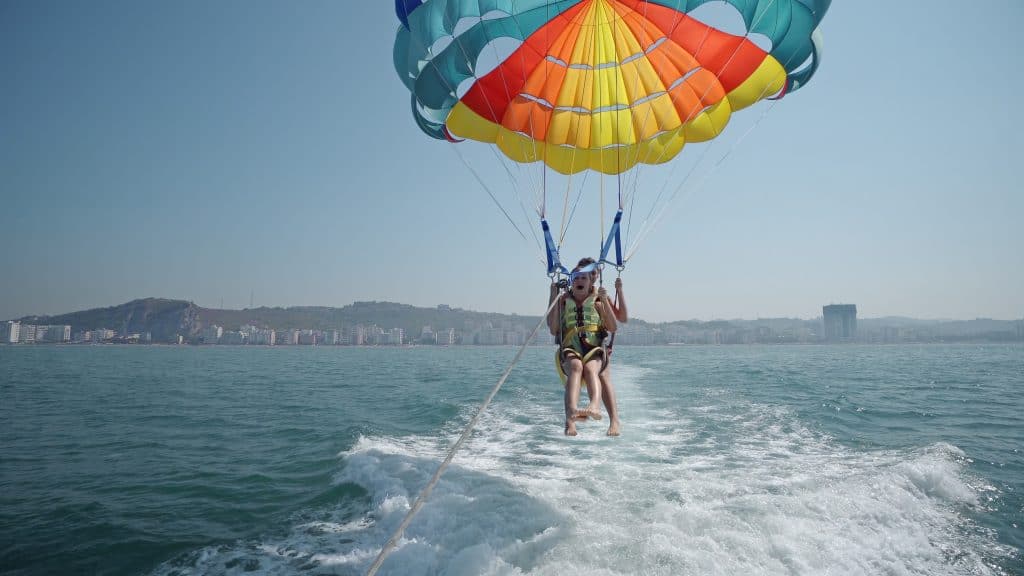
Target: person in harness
{"points": [[618, 308], [581, 321]]}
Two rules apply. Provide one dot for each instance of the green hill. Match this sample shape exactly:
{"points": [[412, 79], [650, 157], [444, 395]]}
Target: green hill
{"points": [[165, 319], [162, 318]]}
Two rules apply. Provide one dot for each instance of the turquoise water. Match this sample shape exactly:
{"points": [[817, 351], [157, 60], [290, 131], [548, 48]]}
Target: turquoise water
{"points": [[733, 460]]}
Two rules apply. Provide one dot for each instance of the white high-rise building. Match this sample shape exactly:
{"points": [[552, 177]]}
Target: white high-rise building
{"points": [[445, 337], [358, 337], [56, 333], [232, 338], [212, 334], [10, 332]]}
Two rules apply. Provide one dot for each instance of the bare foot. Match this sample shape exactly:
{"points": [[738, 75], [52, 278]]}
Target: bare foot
{"points": [[594, 413], [570, 428], [580, 414], [613, 428]]}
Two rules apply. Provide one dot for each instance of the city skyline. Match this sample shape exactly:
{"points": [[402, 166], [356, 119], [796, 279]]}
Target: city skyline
{"points": [[243, 152], [512, 332], [156, 321], [821, 312]]}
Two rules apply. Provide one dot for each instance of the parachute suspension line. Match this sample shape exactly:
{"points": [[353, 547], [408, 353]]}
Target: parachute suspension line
{"points": [[491, 194], [566, 215], [541, 189], [648, 224], [634, 188], [647, 115], [553, 259], [613, 232], [707, 175], [618, 109], [599, 51], [613, 237], [553, 248], [677, 21], [425, 493], [615, 303], [657, 206], [635, 177], [606, 241], [579, 196], [565, 212], [555, 266], [522, 60], [452, 89], [527, 217], [547, 42], [471, 66], [544, 194], [543, 207], [575, 205], [617, 138], [629, 223], [600, 218], [514, 182], [619, 186]]}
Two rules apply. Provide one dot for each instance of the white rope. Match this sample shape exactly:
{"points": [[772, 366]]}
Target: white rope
{"points": [[421, 499]]}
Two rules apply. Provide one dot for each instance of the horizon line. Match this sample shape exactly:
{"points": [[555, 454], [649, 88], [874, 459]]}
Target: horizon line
{"points": [[456, 308]]}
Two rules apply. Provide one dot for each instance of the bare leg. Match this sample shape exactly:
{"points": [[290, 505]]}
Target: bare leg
{"points": [[573, 369], [593, 380], [609, 401]]}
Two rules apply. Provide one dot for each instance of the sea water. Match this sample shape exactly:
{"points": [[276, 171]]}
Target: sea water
{"points": [[304, 460]]}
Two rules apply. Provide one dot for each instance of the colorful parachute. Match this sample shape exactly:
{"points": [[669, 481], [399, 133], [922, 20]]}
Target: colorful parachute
{"points": [[596, 84]]}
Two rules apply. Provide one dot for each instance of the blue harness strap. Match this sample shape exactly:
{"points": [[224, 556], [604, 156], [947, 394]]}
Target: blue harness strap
{"points": [[554, 260], [613, 236], [585, 270]]}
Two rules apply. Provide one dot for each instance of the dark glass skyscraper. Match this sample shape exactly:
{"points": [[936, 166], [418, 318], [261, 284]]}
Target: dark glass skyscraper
{"points": [[840, 322]]}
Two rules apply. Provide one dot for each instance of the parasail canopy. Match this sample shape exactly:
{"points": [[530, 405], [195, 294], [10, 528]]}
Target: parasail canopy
{"points": [[602, 85]]}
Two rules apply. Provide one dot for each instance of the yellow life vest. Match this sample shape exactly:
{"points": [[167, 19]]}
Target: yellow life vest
{"points": [[581, 324]]}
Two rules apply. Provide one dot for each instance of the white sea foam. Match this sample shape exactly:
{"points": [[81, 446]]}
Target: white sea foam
{"points": [[728, 488]]}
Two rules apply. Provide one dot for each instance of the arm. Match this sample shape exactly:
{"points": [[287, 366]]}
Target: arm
{"points": [[620, 312], [606, 311], [554, 315]]}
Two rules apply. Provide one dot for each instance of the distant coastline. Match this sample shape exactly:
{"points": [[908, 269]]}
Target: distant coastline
{"points": [[164, 321]]}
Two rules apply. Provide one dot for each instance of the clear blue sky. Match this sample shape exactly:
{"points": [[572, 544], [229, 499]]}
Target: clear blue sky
{"points": [[210, 150]]}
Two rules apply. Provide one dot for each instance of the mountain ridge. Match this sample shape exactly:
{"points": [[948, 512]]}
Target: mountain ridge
{"points": [[166, 319]]}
